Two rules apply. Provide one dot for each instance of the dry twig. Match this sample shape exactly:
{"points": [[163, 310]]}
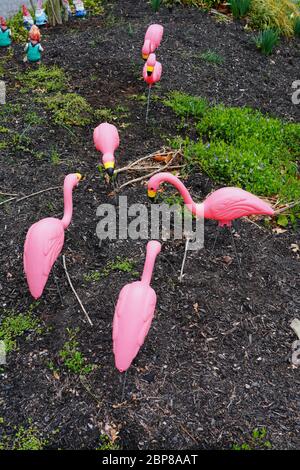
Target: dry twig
{"points": [[74, 291]]}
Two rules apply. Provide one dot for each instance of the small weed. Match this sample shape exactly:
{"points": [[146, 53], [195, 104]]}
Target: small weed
{"points": [[105, 443], [95, 7], [258, 441], [267, 40], [33, 119], [55, 157], [297, 27], [124, 265], [239, 8], [23, 438], [72, 358], [110, 115], [92, 276], [212, 57], [13, 326], [69, 109], [155, 5]]}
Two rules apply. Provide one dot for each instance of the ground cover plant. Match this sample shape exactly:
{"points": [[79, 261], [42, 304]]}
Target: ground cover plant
{"points": [[215, 371]]}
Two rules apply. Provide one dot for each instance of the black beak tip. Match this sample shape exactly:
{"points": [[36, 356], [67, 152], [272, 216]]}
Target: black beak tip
{"points": [[110, 172], [149, 74], [151, 198]]}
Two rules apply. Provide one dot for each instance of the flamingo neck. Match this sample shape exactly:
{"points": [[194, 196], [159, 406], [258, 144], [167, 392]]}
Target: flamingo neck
{"points": [[68, 204], [108, 157], [193, 207], [151, 255]]}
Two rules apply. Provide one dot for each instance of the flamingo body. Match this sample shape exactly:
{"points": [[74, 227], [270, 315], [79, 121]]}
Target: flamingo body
{"points": [[106, 140], [152, 70], [43, 245], [134, 313], [153, 38], [45, 240], [223, 205]]}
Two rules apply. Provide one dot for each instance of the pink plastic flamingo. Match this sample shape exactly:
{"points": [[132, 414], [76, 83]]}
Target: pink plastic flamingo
{"points": [[45, 240], [223, 205], [152, 39], [106, 140], [134, 313], [151, 74]]}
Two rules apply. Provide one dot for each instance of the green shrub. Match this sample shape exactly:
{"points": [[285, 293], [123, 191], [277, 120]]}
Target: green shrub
{"points": [[274, 14], [45, 79], [19, 33], [94, 6], [69, 109], [266, 41], [186, 105], [242, 147], [239, 8]]}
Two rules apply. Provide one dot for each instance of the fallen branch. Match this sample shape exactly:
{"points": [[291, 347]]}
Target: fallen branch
{"points": [[30, 195], [151, 155], [8, 194], [74, 291], [287, 207], [141, 178]]}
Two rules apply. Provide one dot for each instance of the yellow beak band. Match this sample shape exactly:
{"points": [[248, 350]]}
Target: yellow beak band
{"points": [[108, 165], [150, 68], [151, 193], [79, 176]]}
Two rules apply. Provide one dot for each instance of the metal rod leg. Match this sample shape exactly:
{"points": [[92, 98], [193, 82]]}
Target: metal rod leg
{"points": [[184, 258]]}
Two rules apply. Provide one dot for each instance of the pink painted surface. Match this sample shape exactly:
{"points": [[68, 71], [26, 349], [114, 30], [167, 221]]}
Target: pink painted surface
{"points": [[223, 205], [152, 39], [152, 70], [134, 313], [45, 240], [106, 140]]}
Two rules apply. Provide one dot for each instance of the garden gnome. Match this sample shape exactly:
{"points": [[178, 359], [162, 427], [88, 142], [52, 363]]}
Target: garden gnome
{"points": [[5, 33], [27, 18], [41, 18], [33, 48], [79, 7], [67, 7]]}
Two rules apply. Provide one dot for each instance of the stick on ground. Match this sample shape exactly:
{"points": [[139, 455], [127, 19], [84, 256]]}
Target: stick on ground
{"points": [[75, 293]]}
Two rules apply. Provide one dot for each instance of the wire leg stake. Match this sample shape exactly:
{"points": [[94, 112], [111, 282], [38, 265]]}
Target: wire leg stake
{"points": [[236, 253], [123, 388], [184, 258], [148, 103]]}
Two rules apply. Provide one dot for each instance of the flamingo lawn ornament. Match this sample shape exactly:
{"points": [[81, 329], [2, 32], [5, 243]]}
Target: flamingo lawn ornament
{"points": [[152, 39], [151, 74], [134, 313], [45, 240], [223, 205], [106, 140]]}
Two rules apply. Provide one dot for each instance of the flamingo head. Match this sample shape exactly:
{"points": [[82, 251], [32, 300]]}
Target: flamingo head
{"points": [[151, 64], [73, 179], [109, 163], [146, 51], [153, 185]]}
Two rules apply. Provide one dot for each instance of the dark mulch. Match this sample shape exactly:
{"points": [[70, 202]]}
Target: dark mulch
{"points": [[216, 363]]}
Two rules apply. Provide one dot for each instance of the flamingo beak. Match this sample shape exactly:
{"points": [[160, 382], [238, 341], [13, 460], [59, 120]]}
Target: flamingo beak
{"points": [[149, 70], [151, 194], [79, 176], [145, 56], [109, 168]]}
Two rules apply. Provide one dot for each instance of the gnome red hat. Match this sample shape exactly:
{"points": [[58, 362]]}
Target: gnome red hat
{"points": [[34, 33], [2, 21]]}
